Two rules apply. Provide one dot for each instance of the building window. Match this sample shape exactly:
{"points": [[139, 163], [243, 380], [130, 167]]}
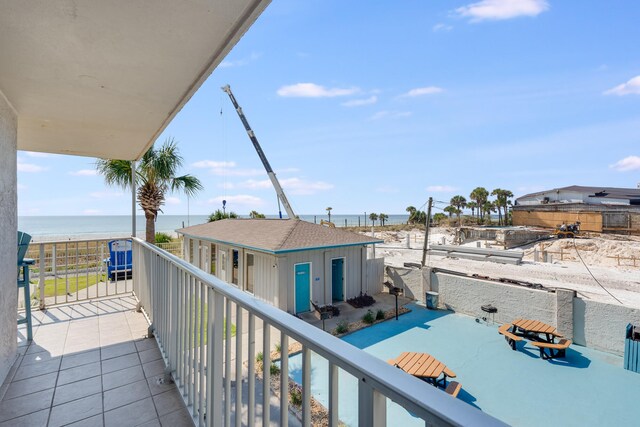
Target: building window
{"points": [[250, 275], [213, 259], [234, 270]]}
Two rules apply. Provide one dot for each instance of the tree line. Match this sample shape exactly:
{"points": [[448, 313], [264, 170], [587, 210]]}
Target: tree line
{"points": [[479, 204]]}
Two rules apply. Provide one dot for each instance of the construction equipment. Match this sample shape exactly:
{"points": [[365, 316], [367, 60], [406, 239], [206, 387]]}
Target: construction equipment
{"points": [[327, 223], [567, 231], [263, 158]]}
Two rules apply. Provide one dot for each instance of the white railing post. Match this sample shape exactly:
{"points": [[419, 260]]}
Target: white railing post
{"points": [[227, 364], [284, 379], [42, 274], [372, 406], [238, 366], [306, 386], [251, 412], [333, 395], [266, 373]]}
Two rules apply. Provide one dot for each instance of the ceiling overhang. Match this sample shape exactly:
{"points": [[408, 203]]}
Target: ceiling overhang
{"points": [[104, 78]]}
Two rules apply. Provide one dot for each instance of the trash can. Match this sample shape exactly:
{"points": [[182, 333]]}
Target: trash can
{"points": [[632, 348], [432, 300]]}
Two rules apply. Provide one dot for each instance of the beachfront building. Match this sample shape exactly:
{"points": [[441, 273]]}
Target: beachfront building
{"points": [[599, 209], [289, 263]]}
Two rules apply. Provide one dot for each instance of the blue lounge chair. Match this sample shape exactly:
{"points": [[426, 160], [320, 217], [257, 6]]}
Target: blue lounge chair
{"points": [[23, 280], [120, 258]]}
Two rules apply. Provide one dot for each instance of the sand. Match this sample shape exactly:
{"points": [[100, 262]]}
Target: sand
{"points": [[566, 271]]}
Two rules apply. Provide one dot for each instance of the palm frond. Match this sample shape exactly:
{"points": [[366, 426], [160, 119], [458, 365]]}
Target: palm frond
{"points": [[187, 183], [115, 172]]}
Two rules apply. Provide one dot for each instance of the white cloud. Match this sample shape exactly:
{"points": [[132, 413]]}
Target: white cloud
{"points": [[441, 27], [29, 167], [36, 154], [213, 164], [421, 91], [359, 102], [240, 62], [389, 115], [496, 10], [632, 87], [302, 187], [242, 200], [172, 201], [296, 186], [441, 188], [92, 212], [630, 163], [312, 90], [84, 172], [106, 194]]}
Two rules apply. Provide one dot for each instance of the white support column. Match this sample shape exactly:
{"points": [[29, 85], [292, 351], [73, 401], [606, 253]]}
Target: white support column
{"points": [[8, 236], [133, 198]]}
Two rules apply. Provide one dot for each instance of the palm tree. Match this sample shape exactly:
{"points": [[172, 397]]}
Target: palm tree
{"points": [[383, 217], [480, 195], [450, 210], [373, 217], [329, 212], [412, 214], [472, 206], [459, 202], [502, 202], [256, 215], [155, 176], [487, 208], [217, 215]]}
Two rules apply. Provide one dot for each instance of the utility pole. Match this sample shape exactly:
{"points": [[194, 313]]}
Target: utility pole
{"points": [[426, 231]]}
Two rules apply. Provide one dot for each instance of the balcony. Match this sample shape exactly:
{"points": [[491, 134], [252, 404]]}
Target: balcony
{"points": [[91, 360]]}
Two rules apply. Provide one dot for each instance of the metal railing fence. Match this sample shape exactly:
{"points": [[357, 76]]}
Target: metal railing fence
{"points": [[70, 271], [192, 314]]}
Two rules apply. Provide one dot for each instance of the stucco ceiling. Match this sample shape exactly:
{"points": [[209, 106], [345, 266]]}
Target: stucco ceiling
{"points": [[104, 78]]}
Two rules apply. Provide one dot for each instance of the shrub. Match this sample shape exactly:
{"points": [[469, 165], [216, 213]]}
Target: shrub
{"points": [[259, 357], [278, 347], [295, 396], [342, 327], [368, 318], [274, 369], [380, 315], [163, 238]]}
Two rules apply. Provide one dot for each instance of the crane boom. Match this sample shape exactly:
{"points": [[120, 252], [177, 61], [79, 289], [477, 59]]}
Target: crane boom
{"points": [[263, 158]]}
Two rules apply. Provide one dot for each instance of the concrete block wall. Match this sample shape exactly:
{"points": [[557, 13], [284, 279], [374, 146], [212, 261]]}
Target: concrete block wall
{"points": [[589, 221], [409, 279], [602, 326], [8, 239], [466, 295], [588, 323]]}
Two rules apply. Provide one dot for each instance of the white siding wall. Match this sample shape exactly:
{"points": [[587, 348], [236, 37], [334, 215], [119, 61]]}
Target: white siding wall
{"points": [[8, 243]]}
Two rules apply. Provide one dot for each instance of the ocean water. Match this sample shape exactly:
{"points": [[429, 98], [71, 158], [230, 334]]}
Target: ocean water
{"points": [[51, 228]]}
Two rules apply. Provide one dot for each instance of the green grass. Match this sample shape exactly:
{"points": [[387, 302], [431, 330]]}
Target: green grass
{"points": [[196, 327], [58, 286]]}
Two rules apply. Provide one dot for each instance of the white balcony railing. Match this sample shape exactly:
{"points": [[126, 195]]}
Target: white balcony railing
{"points": [[189, 308], [71, 271]]}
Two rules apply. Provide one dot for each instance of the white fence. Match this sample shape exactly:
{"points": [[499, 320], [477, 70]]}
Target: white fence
{"points": [[189, 308]]}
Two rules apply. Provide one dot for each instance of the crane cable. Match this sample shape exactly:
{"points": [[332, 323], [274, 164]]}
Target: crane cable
{"points": [[594, 277]]}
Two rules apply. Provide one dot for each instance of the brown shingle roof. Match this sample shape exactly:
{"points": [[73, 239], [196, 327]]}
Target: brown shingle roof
{"points": [[276, 235]]}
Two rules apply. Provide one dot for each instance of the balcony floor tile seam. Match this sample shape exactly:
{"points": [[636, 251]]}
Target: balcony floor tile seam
{"points": [[73, 400]]}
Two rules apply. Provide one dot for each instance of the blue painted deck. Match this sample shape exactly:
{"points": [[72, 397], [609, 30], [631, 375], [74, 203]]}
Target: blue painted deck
{"points": [[588, 387]]}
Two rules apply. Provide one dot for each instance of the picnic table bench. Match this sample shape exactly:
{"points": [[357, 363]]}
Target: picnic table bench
{"points": [[540, 334], [423, 366]]}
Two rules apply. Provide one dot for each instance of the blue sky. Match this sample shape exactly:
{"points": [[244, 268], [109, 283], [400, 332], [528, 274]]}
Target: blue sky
{"points": [[375, 106]]}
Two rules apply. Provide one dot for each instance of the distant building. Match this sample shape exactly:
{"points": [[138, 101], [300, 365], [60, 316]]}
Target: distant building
{"points": [[599, 209], [288, 263]]}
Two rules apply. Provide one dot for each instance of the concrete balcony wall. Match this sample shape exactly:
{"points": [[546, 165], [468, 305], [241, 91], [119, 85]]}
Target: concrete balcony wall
{"points": [[8, 243]]}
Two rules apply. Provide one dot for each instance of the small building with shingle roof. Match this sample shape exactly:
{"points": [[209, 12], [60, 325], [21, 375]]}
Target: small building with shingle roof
{"points": [[289, 263]]}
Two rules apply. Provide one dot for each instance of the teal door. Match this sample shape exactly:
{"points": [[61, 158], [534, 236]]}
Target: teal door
{"points": [[303, 287], [337, 279]]}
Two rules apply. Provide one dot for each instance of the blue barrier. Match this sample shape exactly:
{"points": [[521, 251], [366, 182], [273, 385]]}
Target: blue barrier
{"points": [[632, 349]]}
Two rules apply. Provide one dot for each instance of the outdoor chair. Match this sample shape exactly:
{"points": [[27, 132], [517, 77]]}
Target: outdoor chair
{"points": [[23, 280], [453, 388]]}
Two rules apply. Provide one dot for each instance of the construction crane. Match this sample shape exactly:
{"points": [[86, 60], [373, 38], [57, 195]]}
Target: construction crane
{"points": [[263, 158]]}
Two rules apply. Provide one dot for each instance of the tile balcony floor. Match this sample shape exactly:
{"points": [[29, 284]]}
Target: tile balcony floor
{"points": [[90, 365]]}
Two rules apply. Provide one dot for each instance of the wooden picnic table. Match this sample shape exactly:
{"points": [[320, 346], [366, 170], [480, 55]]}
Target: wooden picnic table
{"points": [[424, 366], [533, 328]]}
